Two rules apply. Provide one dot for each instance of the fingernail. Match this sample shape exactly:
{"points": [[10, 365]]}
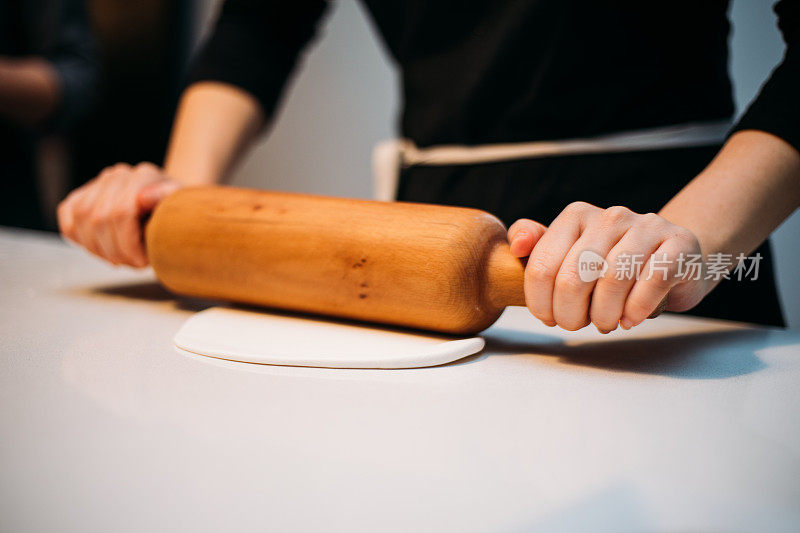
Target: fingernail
{"points": [[626, 323]]}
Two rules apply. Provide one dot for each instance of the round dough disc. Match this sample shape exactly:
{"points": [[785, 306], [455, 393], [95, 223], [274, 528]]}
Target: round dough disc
{"points": [[274, 339]]}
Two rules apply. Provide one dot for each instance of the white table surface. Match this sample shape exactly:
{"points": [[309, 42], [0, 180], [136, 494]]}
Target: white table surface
{"points": [[682, 424]]}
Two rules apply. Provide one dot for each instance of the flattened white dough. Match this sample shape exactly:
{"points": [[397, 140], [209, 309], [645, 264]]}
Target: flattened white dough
{"points": [[273, 339]]}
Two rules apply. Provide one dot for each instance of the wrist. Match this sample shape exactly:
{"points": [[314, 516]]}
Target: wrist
{"points": [[191, 174]]}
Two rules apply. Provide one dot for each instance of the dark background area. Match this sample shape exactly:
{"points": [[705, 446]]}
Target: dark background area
{"points": [[144, 47]]}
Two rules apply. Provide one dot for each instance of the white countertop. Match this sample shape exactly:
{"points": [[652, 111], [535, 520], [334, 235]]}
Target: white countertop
{"points": [[680, 424]]}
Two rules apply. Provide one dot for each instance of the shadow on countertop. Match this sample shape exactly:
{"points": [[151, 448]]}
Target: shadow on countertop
{"points": [[151, 291], [699, 355]]}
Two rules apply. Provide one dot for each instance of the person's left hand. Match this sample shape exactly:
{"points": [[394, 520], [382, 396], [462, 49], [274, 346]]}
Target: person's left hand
{"points": [[560, 292]]}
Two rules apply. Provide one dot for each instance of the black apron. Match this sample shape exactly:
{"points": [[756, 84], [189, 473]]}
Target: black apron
{"points": [[539, 188]]}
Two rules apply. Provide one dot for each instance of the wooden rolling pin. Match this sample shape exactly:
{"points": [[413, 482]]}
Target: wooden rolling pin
{"points": [[423, 266], [433, 267]]}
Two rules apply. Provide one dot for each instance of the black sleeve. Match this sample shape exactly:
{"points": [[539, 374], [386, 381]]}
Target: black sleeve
{"points": [[776, 109], [255, 45]]}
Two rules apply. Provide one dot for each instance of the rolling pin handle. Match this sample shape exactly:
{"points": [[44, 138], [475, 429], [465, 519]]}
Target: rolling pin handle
{"points": [[505, 278]]}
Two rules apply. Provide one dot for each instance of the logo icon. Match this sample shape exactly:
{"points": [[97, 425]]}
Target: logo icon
{"points": [[591, 266]]}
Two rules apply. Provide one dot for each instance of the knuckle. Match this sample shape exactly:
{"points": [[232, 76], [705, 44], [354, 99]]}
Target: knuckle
{"points": [[650, 221], [569, 282], [538, 271], [613, 284], [664, 270], [578, 207], [102, 176], [145, 166], [109, 173], [536, 277], [616, 214]]}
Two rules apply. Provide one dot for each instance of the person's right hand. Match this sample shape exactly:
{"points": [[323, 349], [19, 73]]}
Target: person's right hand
{"points": [[105, 215]]}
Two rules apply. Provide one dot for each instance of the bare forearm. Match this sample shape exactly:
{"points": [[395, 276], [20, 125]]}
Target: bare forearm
{"points": [[214, 124], [29, 90], [742, 196]]}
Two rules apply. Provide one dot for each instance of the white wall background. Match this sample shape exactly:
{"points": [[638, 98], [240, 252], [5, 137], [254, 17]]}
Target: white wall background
{"points": [[344, 98]]}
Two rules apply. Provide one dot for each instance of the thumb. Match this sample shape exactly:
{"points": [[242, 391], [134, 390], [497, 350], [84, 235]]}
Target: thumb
{"points": [[523, 236], [150, 196]]}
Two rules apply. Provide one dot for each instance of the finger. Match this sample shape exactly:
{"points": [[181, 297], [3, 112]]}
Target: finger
{"points": [[660, 308], [66, 216], [129, 234], [127, 237], [523, 236], [654, 285], [150, 196], [128, 230], [574, 285], [109, 204], [546, 259], [611, 291], [85, 220], [93, 224]]}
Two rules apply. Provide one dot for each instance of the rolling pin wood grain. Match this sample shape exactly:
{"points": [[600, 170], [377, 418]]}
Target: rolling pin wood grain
{"points": [[439, 268], [432, 267]]}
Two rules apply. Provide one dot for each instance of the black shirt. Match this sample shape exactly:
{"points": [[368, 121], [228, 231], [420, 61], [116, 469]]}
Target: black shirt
{"points": [[487, 71]]}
